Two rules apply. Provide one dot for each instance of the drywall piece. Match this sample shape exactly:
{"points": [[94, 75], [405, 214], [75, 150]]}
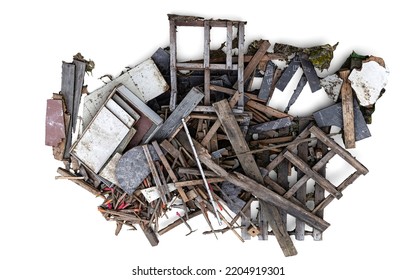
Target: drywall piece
{"points": [[368, 82], [132, 168], [55, 124], [100, 140], [148, 80], [109, 170], [332, 86], [119, 112]]}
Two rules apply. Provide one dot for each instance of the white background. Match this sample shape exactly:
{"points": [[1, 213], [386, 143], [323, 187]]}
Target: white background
{"points": [[52, 229]]}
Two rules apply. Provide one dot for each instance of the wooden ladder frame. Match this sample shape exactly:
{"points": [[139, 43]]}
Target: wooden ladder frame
{"points": [[175, 21]]}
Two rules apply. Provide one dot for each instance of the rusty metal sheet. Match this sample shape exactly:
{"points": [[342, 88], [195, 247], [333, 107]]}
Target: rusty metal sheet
{"points": [[55, 124], [100, 140], [132, 168]]}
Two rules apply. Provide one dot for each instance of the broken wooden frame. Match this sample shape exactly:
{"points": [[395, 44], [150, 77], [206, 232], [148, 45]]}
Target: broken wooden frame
{"points": [[207, 66]]}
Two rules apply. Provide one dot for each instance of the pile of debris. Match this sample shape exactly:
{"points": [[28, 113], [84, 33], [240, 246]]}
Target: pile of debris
{"points": [[198, 137]]}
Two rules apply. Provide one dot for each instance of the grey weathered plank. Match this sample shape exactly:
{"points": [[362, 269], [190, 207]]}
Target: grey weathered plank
{"points": [[240, 65], [340, 151], [173, 122], [319, 193], [341, 188], [266, 84], [237, 140], [233, 101], [328, 186], [271, 125], [347, 110], [301, 193], [79, 82], [173, 78], [207, 73], [67, 90], [272, 215], [251, 66], [228, 52]]}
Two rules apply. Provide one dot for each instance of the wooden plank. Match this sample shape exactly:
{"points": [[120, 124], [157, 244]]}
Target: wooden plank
{"points": [[268, 110], [67, 90], [341, 188], [270, 125], [253, 187], [79, 82], [273, 217], [194, 171], [338, 149], [254, 61], [301, 193], [328, 186], [302, 180], [240, 66], [233, 101], [190, 101], [347, 110], [168, 147], [207, 72], [100, 140], [168, 168], [277, 160], [229, 48], [80, 183], [173, 53], [181, 184], [155, 174], [319, 193], [267, 81], [200, 66], [237, 140]]}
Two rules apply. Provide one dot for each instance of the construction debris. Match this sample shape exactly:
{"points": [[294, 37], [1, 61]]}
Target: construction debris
{"points": [[197, 137]]}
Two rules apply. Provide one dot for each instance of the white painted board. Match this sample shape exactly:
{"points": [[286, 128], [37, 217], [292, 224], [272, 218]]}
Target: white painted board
{"points": [[109, 170], [100, 140], [148, 80], [119, 112]]}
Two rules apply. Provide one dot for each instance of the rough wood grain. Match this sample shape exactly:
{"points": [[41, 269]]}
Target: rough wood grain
{"points": [[347, 110], [255, 188], [182, 111], [299, 163], [80, 183]]}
